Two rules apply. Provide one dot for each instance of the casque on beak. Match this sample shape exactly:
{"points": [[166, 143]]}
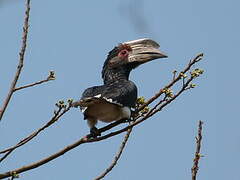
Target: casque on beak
{"points": [[144, 50]]}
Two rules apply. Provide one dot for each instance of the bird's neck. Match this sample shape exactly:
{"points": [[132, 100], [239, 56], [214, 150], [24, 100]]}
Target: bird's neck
{"points": [[115, 75]]}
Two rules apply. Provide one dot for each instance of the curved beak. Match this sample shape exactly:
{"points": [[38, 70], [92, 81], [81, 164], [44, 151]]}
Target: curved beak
{"points": [[144, 50]]}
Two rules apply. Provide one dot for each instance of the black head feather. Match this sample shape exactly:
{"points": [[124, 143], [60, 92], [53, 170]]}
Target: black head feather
{"points": [[111, 55], [122, 71]]}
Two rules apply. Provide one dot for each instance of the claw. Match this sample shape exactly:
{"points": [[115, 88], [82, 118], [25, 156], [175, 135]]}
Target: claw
{"points": [[94, 132]]}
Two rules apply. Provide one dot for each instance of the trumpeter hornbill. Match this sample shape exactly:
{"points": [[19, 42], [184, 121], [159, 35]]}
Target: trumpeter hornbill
{"points": [[113, 100]]}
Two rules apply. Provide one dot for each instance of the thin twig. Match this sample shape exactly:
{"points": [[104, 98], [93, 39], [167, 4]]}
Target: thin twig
{"points": [[197, 153], [190, 64], [174, 74], [59, 113], [159, 108], [31, 85], [56, 116], [117, 156], [21, 60], [50, 77]]}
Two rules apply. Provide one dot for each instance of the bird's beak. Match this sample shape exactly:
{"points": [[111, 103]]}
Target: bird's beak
{"points": [[144, 50]]}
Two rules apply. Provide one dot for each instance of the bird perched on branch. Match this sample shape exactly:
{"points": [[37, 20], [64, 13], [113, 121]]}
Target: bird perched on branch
{"points": [[113, 100]]}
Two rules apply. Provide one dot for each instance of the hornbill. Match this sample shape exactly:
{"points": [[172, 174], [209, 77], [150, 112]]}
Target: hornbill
{"points": [[113, 100]]}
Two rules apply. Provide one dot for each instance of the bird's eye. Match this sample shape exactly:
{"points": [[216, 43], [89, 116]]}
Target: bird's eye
{"points": [[123, 53]]}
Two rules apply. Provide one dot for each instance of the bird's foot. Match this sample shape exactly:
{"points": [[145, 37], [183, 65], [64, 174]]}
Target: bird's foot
{"points": [[94, 132]]}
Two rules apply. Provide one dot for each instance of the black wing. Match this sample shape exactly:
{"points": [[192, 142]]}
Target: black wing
{"points": [[124, 92]]}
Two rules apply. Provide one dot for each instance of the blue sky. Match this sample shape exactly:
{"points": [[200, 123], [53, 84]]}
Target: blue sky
{"points": [[73, 38]]}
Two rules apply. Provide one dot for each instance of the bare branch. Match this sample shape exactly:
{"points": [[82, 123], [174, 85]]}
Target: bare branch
{"points": [[160, 105], [50, 77], [117, 156], [21, 60], [197, 153]]}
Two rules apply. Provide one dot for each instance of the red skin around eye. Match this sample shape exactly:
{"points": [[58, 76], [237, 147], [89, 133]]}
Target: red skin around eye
{"points": [[123, 53]]}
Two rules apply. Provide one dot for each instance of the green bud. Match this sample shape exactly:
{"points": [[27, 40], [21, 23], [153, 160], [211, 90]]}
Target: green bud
{"points": [[196, 72], [193, 85], [51, 75], [168, 92], [140, 100], [61, 102], [70, 101], [145, 110], [183, 75], [14, 175]]}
